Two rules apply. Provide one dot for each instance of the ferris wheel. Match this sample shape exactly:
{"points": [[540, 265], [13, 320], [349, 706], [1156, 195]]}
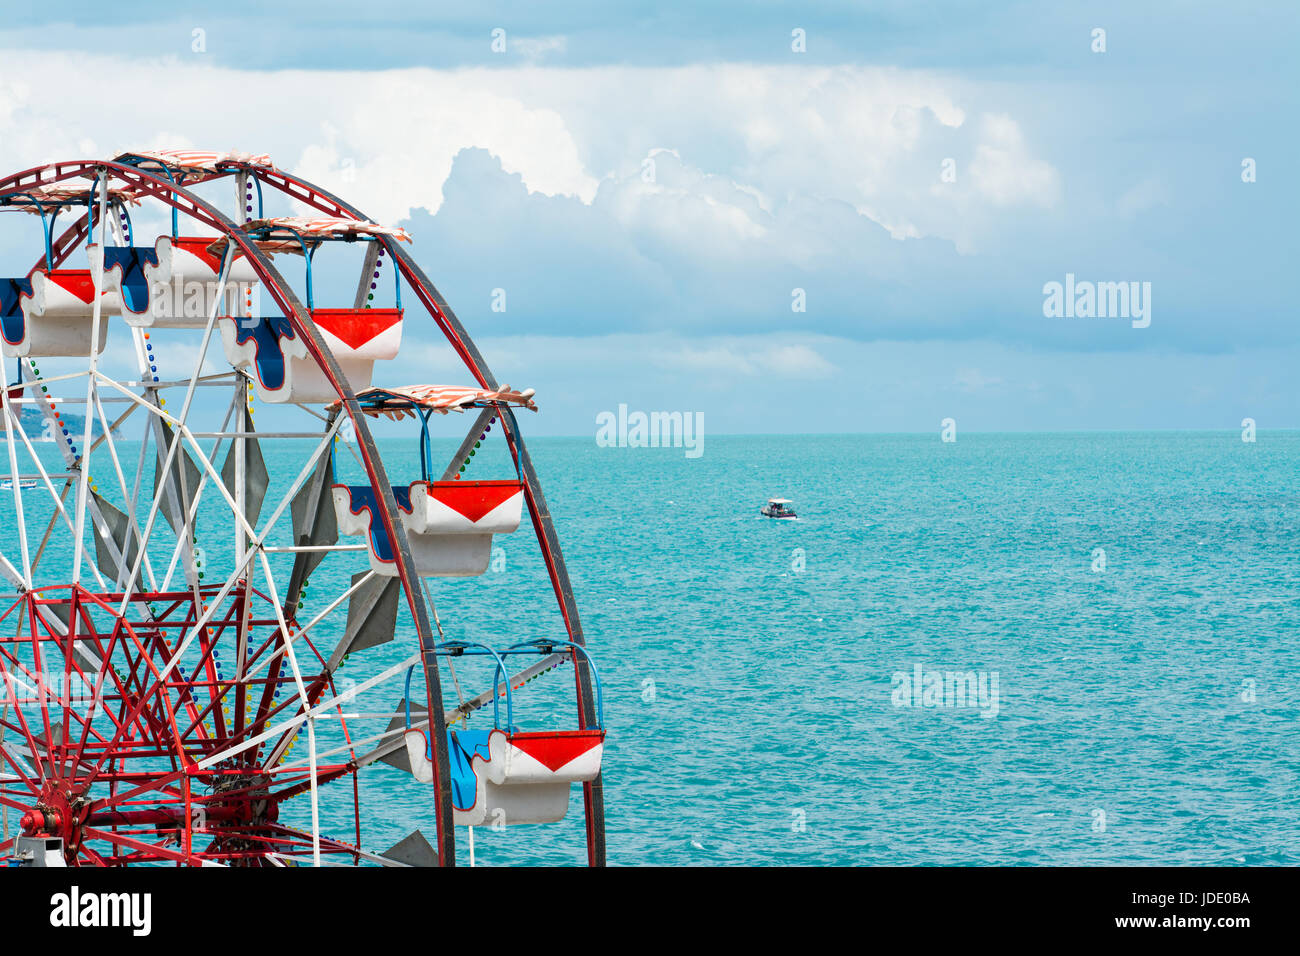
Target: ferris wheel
{"points": [[167, 687]]}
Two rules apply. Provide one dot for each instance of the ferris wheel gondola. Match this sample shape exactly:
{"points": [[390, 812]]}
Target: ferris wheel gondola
{"points": [[156, 687]]}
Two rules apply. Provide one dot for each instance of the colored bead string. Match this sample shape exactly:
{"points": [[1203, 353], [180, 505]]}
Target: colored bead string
{"points": [[374, 278], [473, 451], [58, 419]]}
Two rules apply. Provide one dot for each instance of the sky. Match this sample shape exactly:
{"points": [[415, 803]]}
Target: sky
{"points": [[822, 217]]}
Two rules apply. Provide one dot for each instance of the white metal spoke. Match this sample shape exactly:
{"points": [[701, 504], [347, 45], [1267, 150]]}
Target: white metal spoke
{"points": [[306, 704], [298, 719], [97, 268], [174, 445], [133, 528], [302, 631], [12, 573], [182, 539], [11, 422], [78, 544]]}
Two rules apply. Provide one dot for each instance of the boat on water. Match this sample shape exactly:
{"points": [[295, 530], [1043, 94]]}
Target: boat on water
{"points": [[778, 508], [8, 483]]}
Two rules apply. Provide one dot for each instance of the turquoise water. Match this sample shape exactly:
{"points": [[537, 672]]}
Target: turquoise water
{"points": [[1121, 691], [1145, 712]]}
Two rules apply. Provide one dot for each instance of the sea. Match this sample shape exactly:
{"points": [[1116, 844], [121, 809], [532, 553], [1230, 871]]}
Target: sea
{"points": [[1010, 649]]}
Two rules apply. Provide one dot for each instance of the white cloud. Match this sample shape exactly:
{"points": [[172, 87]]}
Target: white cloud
{"points": [[751, 137], [1005, 172], [684, 206]]}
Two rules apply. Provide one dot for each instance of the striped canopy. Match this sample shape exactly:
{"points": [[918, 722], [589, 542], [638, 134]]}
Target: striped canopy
{"points": [[327, 227], [312, 230], [401, 402], [202, 158], [60, 193]]}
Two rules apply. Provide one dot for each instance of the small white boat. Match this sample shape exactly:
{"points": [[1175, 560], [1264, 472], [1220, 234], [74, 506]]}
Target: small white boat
{"points": [[8, 483], [778, 508]]}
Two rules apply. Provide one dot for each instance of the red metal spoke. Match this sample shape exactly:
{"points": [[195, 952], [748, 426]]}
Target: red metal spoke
{"points": [[13, 804], [91, 855], [22, 728], [152, 850], [158, 688], [39, 676], [106, 667]]}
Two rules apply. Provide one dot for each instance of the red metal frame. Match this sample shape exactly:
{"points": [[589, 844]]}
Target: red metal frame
{"points": [[148, 761]]}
